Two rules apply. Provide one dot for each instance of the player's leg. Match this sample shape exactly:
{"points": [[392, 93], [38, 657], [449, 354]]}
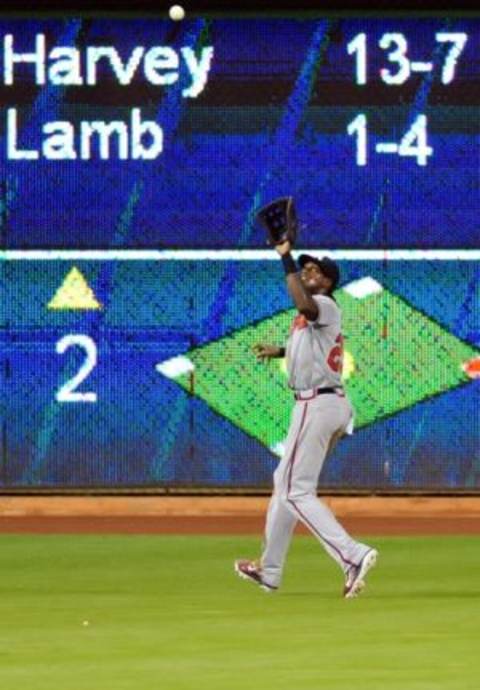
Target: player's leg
{"points": [[280, 521], [325, 419], [279, 527]]}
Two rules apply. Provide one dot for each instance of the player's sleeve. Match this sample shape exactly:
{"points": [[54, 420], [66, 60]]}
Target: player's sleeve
{"points": [[327, 311]]}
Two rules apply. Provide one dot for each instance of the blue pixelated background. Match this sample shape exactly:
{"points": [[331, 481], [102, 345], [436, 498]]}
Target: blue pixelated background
{"points": [[271, 120]]}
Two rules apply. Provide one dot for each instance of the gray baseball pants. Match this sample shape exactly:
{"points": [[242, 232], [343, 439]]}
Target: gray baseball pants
{"points": [[315, 427]]}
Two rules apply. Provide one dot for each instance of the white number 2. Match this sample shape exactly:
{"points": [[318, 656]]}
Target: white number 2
{"points": [[68, 392]]}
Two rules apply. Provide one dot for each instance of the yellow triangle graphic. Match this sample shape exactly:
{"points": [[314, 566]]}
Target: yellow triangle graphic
{"points": [[74, 293]]}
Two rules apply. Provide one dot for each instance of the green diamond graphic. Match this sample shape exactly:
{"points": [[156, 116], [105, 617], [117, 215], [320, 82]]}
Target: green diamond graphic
{"points": [[395, 356]]}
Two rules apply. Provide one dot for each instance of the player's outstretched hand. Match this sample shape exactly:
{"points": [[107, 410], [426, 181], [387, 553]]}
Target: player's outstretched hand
{"points": [[283, 248], [263, 351]]}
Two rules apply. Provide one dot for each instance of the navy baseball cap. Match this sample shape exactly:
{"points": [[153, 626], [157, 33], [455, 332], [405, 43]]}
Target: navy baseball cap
{"points": [[327, 266]]}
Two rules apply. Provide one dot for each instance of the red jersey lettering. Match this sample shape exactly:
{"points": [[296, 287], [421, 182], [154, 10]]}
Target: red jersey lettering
{"points": [[335, 356]]}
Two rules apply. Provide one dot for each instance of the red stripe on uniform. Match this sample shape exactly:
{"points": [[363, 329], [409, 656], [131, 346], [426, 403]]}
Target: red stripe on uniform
{"points": [[332, 546]]}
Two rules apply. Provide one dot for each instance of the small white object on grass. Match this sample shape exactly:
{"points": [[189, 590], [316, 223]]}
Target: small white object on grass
{"points": [[85, 624], [176, 13]]}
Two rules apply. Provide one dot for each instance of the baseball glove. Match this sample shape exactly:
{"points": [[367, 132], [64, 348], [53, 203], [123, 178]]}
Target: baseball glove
{"points": [[280, 221]]}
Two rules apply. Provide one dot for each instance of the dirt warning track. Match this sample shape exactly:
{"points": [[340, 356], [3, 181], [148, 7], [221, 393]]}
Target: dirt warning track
{"points": [[376, 515]]}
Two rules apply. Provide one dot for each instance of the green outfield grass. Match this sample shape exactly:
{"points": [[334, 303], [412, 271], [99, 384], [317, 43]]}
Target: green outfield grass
{"points": [[168, 612]]}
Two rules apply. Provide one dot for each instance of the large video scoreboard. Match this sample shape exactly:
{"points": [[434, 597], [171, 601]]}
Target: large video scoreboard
{"points": [[134, 154]]}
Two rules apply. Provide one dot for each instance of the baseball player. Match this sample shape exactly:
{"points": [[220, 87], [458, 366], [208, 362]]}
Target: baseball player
{"points": [[322, 414]]}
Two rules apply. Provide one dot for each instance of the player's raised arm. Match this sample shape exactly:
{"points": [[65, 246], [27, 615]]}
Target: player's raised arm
{"points": [[279, 219], [317, 277], [302, 299]]}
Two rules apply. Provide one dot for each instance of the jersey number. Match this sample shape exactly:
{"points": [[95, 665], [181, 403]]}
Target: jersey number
{"points": [[335, 356]]}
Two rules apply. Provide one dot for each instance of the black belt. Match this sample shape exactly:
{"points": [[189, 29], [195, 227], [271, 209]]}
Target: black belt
{"points": [[318, 391]]}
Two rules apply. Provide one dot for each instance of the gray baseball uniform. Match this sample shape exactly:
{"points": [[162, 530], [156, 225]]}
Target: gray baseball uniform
{"points": [[320, 417]]}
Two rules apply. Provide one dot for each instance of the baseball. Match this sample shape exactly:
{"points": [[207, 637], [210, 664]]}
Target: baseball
{"points": [[176, 13], [85, 623]]}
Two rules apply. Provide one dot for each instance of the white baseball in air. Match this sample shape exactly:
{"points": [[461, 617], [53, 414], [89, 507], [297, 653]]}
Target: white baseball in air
{"points": [[176, 13]]}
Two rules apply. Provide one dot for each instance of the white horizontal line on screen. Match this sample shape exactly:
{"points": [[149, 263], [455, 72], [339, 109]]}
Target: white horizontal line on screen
{"points": [[235, 254]]}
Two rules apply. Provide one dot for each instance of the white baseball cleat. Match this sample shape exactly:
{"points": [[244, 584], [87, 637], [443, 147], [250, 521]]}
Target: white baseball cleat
{"points": [[355, 582]]}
